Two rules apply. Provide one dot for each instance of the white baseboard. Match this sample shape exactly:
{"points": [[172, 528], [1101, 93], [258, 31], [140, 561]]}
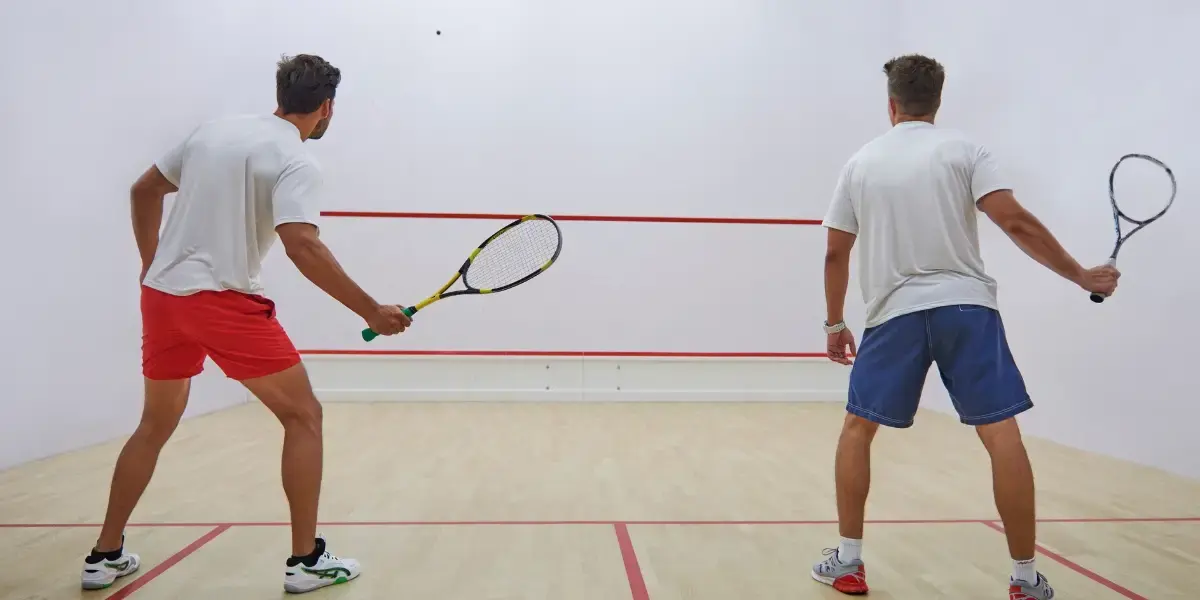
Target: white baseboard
{"points": [[574, 379]]}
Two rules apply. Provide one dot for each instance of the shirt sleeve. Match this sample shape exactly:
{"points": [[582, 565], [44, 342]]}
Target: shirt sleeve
{"points": [[171, 163], [841, 210], [297, 195], [986, 175]]}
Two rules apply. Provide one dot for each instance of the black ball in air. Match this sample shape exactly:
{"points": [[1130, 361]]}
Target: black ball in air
{"points": [[439, 32]]}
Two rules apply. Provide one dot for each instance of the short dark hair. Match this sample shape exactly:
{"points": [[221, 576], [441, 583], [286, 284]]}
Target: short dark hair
{"points": [[915, 83], [305, 81]]}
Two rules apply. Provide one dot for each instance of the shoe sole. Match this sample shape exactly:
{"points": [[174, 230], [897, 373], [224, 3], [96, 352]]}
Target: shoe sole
{"points": [[829, 582], [292, 589], [92, 585]]}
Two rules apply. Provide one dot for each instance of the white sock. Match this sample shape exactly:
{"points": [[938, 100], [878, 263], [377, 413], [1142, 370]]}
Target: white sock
{"points": [[1025, 570], [849, 550]]}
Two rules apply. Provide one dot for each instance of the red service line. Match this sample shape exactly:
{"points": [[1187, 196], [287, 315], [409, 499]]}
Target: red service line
{"points": [[561, 353], [171, 561], [366, 214], [633, 572], [604, 522], [1064, 561]]}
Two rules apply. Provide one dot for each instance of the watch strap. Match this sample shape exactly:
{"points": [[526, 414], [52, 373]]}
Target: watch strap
{"points": [[835, 328]]}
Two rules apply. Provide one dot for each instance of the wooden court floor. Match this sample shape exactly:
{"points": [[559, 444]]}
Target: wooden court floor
{"points": [[720, 501]]}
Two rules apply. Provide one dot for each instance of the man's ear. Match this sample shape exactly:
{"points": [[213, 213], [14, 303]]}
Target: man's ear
{"points": [[327, 108]]}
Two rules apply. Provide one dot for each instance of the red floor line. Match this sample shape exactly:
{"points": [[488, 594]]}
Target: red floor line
{"points": [[171, 561], [1064, 561], [637, 583], [604, 522]]}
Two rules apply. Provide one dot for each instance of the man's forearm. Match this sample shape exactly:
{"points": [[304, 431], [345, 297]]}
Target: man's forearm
{"points": [[316, 262], [837, 278], [146, 208], [1035, 240]]}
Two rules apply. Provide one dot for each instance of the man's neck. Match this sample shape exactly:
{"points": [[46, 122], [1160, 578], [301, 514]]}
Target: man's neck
{"points": [[297, 121], [907, 119]]}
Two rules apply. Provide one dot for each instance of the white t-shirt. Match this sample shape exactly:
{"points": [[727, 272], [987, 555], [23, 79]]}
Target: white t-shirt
{"points": [[239, 178], [910, 196]]}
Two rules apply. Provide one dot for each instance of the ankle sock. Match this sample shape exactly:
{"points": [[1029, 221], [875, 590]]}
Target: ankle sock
{"points": [[1025, 570], [96, 556], [849, 550], [311, 558]]}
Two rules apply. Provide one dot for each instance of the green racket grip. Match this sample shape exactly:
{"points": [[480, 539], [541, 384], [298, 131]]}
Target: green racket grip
{"points": [[368, 334]]}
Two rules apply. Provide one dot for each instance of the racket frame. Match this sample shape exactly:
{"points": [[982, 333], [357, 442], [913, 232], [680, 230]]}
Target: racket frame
{"points": [[368, 334], [1119, 215]]}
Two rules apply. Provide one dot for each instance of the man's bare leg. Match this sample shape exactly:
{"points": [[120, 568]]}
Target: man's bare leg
{"points": [[852, 468], [1012, 485], [164, 405], [843, 568], [289, 395]]}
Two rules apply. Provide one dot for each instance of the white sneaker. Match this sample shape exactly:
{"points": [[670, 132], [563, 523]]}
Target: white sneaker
{"points": [[328, 570], [102, 573]]}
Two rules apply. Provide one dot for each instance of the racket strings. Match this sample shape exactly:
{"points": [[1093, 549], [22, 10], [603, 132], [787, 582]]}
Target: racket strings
{"points": [[1121, 213], [515, 254]]}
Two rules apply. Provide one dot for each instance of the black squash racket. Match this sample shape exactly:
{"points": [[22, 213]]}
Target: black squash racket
{"points": [[513, 255], [1118, 214]]}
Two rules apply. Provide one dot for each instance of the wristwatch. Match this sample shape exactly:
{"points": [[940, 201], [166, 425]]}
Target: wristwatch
{"points": [[835, 328]]}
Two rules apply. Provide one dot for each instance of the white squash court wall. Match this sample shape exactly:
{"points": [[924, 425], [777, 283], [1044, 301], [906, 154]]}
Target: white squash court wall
{"points": [[734, 108]]}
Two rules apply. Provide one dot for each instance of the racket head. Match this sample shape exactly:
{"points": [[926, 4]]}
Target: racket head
{"points": [[1138, 217], [518, 252]]}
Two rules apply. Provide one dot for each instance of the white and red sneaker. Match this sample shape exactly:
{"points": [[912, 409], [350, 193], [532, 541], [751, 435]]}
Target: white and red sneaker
{"points": [[1023, 590], [845, 577]]}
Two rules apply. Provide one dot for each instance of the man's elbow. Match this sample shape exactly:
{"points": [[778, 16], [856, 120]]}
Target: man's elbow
{"points": [[301, 248], [835, 257], [1017, 224]]}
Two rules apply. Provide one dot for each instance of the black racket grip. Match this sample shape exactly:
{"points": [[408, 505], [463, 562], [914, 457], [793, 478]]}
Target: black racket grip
{"points": [[1097, 298]]}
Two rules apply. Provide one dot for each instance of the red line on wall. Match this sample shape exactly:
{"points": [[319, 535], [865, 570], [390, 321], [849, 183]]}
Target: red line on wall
{"points": [[173, 560], [633, 571], [563, 353], [365, 214], [1077, 568]]}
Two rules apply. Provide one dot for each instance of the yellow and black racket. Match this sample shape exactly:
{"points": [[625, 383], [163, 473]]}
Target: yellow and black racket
{"points": [[515, 254]]}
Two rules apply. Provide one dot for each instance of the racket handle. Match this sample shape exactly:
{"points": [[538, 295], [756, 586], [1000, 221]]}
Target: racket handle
{"points": [[1098, 298], [368, 334]]}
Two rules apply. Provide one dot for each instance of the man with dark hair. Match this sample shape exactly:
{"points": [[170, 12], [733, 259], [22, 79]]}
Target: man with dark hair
{"points": [[909, 197], [241, 182]]}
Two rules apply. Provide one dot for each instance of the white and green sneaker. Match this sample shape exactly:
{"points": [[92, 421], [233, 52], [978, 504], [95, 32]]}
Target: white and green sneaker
{"points": [[100, 571], [325, 571]]}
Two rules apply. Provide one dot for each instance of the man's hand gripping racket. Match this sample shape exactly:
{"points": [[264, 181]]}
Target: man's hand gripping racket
{"points": [[1101, 281], [513, 255]]}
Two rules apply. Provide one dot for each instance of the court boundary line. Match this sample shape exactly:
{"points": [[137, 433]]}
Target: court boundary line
{"points": [[169, 562], [633, 571], [1074, 566], [601, 522]]}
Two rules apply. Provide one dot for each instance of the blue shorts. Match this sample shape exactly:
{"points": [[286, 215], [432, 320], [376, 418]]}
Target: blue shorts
{"points": [[971, 351]]}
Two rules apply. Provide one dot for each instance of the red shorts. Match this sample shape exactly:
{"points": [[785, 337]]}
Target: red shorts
{"points": [[238, 331]]}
